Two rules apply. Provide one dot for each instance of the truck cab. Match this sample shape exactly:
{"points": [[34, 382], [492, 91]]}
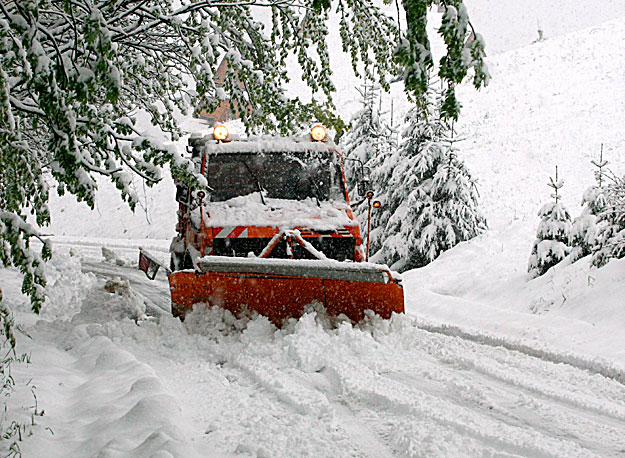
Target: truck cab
{"points": [[259, 188]]}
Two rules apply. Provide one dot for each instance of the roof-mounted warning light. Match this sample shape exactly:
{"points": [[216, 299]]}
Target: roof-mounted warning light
{"points": [[220, 133], [318, 133]]}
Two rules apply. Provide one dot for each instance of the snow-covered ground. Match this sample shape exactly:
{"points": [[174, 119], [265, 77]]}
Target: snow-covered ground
{"points": [[110, 382], [485, 362]]}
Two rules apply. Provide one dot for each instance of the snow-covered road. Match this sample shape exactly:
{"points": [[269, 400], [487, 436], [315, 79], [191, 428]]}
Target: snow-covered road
{"points": [[392, 389], [221, 386]]}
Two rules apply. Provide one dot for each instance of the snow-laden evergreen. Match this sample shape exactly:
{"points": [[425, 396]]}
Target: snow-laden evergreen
{"points": [[584, 230], [430, 199], [369, 136], [367, 147], [611, 222], [552, 237]]}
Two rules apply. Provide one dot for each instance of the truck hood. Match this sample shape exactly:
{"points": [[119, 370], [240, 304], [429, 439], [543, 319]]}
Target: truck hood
{"points": [[281, 213]]}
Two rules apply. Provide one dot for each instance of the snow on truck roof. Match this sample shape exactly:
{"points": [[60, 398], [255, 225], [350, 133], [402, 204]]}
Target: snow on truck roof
{"points": [[258, 144]]}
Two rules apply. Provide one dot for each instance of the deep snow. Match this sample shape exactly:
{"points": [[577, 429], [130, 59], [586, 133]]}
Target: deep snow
{"points": [[110, 383]]}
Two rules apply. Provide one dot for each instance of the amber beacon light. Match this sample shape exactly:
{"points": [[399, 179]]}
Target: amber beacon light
{"points": [[220, 132], [318, 133]]}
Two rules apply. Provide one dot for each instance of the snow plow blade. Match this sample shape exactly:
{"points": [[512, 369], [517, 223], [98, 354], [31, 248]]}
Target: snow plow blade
{"points": [[282, 288]]}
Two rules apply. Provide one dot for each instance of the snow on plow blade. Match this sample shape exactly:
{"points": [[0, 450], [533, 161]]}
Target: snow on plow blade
{"points": [[281, 288]]}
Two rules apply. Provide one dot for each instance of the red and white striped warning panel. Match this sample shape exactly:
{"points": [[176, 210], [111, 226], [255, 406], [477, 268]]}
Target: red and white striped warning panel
{"points": [[234, 232], [230, 232]]}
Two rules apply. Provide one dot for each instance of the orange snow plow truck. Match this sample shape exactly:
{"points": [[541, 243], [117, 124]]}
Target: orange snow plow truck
{"points": [[273, 232]]}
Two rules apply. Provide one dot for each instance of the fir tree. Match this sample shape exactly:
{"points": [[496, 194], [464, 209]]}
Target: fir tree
{"points": [[367, 147], [584, 231], [368, 137], [552, 237], [611, 222], [431, 200]]}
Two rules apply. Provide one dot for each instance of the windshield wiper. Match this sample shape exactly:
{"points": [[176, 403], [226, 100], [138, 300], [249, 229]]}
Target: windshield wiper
{"points": [[260, 191], [317, 193]]}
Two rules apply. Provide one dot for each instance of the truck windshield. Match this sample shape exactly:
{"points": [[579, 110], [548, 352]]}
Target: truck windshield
{"points": [[294, 176]]}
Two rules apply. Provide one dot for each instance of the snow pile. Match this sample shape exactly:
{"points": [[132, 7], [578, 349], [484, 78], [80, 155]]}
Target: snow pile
{"points": [[92, 398], [107, 403], [67, 286]]}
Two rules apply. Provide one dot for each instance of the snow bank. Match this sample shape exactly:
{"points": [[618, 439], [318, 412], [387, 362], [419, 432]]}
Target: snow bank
{"points": [[482, 288], [100, 400], [93, 398]]}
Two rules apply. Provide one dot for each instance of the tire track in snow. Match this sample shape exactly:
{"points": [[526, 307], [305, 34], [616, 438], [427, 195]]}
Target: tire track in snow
{"points": [[511, 405], [441, 375], [400, 406], [595, 365], [367, 393], [303, 395], [560, 382]]}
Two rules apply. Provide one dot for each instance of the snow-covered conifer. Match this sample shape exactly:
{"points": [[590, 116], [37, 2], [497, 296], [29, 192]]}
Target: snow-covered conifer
{"points": [[368, 135], [369, 139], [611, 223], [584, 230], [431, 202], [368, 143], [552, 237]]}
